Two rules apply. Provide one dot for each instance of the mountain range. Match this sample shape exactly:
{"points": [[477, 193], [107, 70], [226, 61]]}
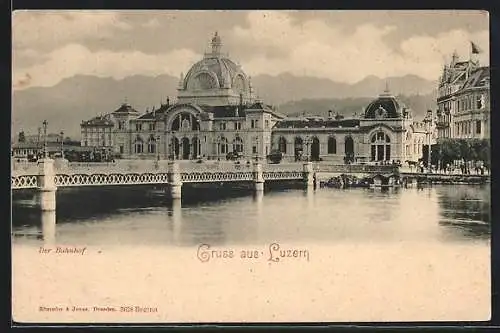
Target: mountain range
{"points": [[82, 97]]}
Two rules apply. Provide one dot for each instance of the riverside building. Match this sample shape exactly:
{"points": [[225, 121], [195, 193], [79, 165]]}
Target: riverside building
{"points": [[217, 113]]}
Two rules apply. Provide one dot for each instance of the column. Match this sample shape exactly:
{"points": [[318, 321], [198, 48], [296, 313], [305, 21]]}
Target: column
{"points": [[308, 175], [176, 215], [46, 186], [174, 180], [49, 227], [258, 177]]}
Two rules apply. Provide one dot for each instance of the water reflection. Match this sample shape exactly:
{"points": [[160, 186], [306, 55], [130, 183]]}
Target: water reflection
{"points": [[465, 211], [441, 213], [175, 213], [48, 227]]}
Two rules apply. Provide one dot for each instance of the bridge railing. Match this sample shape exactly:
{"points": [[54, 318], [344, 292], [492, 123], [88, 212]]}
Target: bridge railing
{"points": [[355, 168], [152, 166]]}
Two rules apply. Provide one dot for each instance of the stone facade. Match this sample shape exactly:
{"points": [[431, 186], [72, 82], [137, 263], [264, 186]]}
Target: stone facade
{"points": [[216, 113], [97, 132], [464, 100], [385, 132]]}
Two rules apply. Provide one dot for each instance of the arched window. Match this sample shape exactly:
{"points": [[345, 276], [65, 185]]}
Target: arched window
{"points": [[332, 145], [282, 145], [174, 148], [298, 148], [185, 121], [315, 149], [380, 147], [237, 145], [151, 145], [223, 145], [138, 145], [239, 84], [202, 81]]}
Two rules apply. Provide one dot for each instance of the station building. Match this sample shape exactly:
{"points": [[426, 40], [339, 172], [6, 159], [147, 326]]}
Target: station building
{"points": [[216, 113]]}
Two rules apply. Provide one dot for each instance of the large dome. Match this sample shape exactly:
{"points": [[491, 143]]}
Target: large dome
{"points": [[385, 106], [216, 71]]}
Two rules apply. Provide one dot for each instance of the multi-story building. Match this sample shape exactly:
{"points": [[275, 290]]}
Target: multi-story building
{"points": [[97, 132], [464, 100], [216, 113]]}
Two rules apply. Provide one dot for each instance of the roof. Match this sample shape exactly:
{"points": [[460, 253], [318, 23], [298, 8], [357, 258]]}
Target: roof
{"points": [[39, 145], [125, 108], [27, 145], [259, 105], [316, 123], [385, 106], [98, 121], [479, 77], [155, 114], [225, 111], [224, 68]]}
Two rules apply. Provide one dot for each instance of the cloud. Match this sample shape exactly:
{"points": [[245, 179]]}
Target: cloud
{"points": [[317, 49], [23, 81], [51, 46], [76, 59], [152, 23], [55, 28]]}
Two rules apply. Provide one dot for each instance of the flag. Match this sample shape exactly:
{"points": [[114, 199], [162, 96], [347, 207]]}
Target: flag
{"points": [[475, 48]]}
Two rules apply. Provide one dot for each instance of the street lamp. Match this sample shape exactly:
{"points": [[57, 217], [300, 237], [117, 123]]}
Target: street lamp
{"points": [[45, 123], [307, 148], [62, 144], [428, 121], [158, 138]]}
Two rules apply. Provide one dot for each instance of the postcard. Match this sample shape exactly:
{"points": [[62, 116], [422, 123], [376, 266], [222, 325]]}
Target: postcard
{"points": [[250, 166]]}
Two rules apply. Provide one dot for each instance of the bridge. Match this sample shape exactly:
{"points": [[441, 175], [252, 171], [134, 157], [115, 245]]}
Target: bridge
{"points": [[47, 175]]}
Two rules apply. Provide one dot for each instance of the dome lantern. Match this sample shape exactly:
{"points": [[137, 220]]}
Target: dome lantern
{"points": [[216, 44]]}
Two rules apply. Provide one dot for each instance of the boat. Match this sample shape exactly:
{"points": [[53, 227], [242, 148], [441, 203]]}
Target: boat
{"points": [[159, 192], [27, 203], [385, 181]]}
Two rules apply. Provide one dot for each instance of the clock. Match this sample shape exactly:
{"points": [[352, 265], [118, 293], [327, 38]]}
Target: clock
{"points": [[380, 113]]}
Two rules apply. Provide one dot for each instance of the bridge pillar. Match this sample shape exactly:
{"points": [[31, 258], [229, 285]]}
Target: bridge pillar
{"points": [[174, 180], [308, 175], [46, 186], [258, 177]]}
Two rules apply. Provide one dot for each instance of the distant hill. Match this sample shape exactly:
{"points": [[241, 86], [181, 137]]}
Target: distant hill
{"points": [[286, 87], [81, 97], [350, 106]]}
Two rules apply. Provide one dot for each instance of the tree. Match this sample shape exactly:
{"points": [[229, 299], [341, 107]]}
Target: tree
{"points": [[449, 150], [21, 137], [468, 150]]}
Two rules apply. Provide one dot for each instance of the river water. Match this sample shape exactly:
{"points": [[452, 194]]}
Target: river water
{"points": [[285, 255]]}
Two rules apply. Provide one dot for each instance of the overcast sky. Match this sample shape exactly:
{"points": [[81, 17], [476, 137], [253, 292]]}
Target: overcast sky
{"points": [[343, 46]]}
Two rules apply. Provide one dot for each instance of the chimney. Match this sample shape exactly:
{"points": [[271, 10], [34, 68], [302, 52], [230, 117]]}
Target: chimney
{"points": [[168, 101], [330, 113]]}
